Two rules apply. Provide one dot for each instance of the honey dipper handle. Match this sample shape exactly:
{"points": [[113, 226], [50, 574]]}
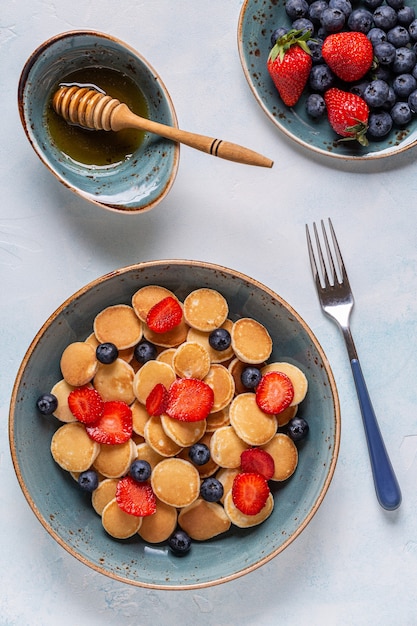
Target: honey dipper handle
{"points": [[122, 117]]}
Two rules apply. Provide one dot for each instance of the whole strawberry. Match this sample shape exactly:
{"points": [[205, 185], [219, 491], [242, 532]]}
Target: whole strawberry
{"points": [[348, 114], [289, 64], [349, 54]]}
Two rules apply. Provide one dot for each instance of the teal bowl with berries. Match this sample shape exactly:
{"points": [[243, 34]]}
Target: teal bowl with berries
{"points": [[65, 510], [258, 20], [128, 172]]}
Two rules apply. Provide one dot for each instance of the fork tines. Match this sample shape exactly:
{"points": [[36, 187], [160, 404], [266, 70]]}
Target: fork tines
{"points": [[326, 274]]}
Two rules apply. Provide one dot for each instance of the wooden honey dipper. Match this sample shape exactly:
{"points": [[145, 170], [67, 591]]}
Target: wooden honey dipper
{"points": [[95, 110]]}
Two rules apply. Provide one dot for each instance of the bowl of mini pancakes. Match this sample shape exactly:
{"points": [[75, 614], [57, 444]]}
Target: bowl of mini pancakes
{"points": [[52, 446]]}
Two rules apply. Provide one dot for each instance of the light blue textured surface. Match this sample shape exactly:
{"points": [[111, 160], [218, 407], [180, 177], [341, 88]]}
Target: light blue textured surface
{"points": [[355, 564]]}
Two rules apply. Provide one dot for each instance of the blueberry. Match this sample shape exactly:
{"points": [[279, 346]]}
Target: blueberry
{"points": [[376, 93], [385, 52], [211, 489], [107, 353], [321, 77], [377, 36], [401, 113], [379, 124], [296, 9], [385, 17], [297, 428], [315, 106], [220, 339], [47, 403], [250, 377], [359, 88], [343, 5], [391, 100], [395, 4], [315, 46], [412, 30], [315, 10], [199, 454], [145, 351], [332, 20], [382, 72], [303, 24], [398, 36], [179, 542], [361, 20], [404, 84], [404, 61], [88, 480], [372, 4], [140, 470], [412, 101], [277, 34], [405, 15]]}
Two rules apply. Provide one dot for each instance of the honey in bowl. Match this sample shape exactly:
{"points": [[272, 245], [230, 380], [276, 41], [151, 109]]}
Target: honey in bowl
{"points": [[99, 148]]}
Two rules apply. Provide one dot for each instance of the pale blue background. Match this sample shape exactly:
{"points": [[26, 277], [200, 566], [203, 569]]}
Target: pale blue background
{"points": [[355, 564]]}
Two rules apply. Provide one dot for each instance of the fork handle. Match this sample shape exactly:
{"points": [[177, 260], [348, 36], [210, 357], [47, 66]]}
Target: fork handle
{"points": [[386, 486]]}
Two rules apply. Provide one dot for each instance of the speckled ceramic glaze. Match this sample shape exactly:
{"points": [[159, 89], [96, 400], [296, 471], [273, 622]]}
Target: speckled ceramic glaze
{"points": [[257, 20], [136, 184], [66, 512]]}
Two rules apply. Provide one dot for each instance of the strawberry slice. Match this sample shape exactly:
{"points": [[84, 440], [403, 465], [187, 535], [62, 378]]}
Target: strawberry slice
{"points": [[86, 404], [189, 400], [164, 315], [157, 400], [250, 492], [135, 498], [114, 425], [256, 460], [274, 393]]}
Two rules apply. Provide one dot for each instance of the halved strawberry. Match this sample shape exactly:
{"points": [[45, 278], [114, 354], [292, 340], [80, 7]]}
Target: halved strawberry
{"points": [[258, 461], [135, 498], [189, 400], [114, 425], [86, 404], [157, 400], [250, 492], [164, 315], [274, 393]]}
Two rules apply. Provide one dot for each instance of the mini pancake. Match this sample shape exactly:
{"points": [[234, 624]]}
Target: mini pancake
{"points": [[191, 360], [205, 309], [217, 420], [184, 434], [170, 339], [146, 453], [158, 440], [286, 415], [236, 368], [61, 390], [114, 461], [72, 448], [226, 477], [118, 324], [117, 523], [247, 521], [139, 418], [296, 376], [115, 381], [159, 526], [176, 482], [167, 356], [251, 341], [221, 381], [251, 424], [285, 454], [201, 337], [149, 375], [146, 297], [203, 520], [226, 447], [78, 363], [209, 468], [126, 355], [105, 492]]}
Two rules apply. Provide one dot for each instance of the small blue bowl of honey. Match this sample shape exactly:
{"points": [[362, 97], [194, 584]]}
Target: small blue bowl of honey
{"points": [[128, 171]]}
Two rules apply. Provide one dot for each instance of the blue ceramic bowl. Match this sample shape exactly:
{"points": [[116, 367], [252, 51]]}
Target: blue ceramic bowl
{"points": [[66, 513], [257, 21], [133, 185]]}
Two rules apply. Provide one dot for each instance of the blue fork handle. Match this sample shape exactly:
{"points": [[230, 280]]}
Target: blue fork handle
{"points": [[386, 486]]}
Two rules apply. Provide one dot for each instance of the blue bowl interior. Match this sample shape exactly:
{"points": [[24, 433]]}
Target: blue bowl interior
{"points": [[257, 20], [137, 183], [66, 513]]}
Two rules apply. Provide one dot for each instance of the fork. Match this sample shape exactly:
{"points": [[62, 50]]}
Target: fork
{"points": [[336, 300]]}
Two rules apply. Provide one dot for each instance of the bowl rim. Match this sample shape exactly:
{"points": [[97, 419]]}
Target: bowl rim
{"points": [[25, 72], [151, 265]]}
